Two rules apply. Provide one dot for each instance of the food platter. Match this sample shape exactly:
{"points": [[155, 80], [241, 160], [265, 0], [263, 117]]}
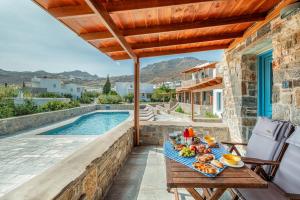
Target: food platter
{"points": [[203, 154], [238, 165]]}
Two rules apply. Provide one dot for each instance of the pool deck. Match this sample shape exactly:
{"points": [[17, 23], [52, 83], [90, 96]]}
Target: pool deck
{"points": [[27, 154]]}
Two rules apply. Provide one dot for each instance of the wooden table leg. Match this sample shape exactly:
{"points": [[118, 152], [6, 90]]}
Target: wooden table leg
{"points": [[217, 194], [176, 194], [194, 194], [206, 192]]}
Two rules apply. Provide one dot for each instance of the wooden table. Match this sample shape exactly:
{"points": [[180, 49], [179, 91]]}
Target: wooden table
{"points": [[180, 176]]}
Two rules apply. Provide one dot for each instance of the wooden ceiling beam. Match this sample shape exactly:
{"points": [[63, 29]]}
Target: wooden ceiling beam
{"points": [[180, 26], [205, 38], [169, 52], [71, 11], [108, 22], [121, 6]]}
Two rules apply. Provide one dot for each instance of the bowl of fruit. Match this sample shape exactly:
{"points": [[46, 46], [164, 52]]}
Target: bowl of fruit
{"points": [[187, 152]]}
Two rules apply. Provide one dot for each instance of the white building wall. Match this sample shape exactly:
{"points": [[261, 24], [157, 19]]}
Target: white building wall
{"points": [[56, 86], [216, 110], [125, 88]]}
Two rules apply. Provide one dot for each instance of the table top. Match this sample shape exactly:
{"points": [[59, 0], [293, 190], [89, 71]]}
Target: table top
{"points": [[180, 176]]}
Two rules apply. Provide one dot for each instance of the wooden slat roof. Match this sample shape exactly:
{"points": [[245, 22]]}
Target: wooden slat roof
{"points": [[125, 29], [200, 67], [208, 82]]}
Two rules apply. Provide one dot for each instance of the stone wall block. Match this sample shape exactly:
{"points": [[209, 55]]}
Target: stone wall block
{"points": [[89, 184], [297, 98]]}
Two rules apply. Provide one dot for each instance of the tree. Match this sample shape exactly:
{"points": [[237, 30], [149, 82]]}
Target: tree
{"points": [[162, 94], [107, 86], [129, 98]]}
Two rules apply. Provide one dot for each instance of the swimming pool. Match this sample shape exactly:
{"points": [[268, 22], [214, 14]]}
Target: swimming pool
{"points": [[91, 124]]}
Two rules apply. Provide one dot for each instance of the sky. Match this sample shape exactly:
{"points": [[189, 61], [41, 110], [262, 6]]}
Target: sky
{"points": [[31, 40]]}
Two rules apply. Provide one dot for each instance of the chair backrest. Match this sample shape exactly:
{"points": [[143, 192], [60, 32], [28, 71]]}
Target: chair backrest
{"points": [[287, 176], [265, 139]]}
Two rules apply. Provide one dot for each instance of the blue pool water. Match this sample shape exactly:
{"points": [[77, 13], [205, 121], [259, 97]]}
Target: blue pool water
{"points": [[91, 124]]}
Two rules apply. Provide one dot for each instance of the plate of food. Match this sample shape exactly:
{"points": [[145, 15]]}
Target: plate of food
{"points": [[202, 149], [205, 158], [209, 139], [205, 168], [179, 147], [187, 152], [217, 163], [232, 160]]}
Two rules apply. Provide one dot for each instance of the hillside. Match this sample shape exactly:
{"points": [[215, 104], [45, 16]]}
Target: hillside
{"points": [[13, 77], [169, 70], [154, 73]]}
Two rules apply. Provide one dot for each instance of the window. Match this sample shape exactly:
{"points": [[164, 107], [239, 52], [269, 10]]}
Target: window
{"points": [[204, 98], [219, 101], [71, 89], [54, 85], [78, 89]]}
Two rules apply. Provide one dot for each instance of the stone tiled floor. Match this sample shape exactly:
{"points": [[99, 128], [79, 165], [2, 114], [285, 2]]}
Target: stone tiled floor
{"points": [[143, 178], [26, 155]]}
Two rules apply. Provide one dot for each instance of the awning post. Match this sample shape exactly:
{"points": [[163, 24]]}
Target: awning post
{"points": [[136, 101]]}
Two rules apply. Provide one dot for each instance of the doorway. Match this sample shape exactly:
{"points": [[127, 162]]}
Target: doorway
{"points": [[265, 83]]}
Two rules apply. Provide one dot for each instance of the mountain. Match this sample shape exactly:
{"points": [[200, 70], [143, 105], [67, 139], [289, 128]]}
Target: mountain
{"points": [[12, 77], [169, 70]]}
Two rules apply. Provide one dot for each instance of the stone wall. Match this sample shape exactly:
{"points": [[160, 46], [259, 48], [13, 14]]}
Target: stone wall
{"points": [[286, 68], [198, 109], [240, 76], [15, 124], [152, 133], [240, 94], [85, 175]]}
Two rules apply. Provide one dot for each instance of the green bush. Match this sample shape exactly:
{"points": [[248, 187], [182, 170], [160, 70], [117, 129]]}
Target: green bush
{"points": [[91, 94], [25, 109], [109, 99], [162, 93], [8, 92], [49, 95], [6, 108], [113, 92], [129, 98], [210, 115], [86, 100], [179, 109], [58, 105], [68, 96]]}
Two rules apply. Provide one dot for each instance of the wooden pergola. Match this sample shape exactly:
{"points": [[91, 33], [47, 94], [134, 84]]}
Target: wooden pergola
{"points": [[134, 29]]}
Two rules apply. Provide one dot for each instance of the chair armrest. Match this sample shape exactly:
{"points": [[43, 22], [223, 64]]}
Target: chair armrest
{"points": [[234, 143], [257, 161], [292, 196], [233, 146]]}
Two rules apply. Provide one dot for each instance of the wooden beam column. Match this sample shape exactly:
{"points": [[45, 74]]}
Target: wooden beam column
{"points": [[192, 102], [136, 101]]}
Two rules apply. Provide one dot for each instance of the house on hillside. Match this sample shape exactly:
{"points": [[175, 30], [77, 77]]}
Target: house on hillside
{"points": [[125, 88], [201, 92], [169, 84], [57, 86]]}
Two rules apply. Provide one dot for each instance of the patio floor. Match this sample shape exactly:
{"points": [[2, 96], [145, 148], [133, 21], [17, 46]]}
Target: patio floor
{"points": [[26, 155], [143, 177]]}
